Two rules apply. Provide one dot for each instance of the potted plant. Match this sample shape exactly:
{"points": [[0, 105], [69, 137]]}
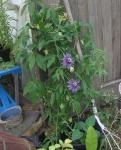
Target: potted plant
{"points": [[5, 33], [68, 88]]}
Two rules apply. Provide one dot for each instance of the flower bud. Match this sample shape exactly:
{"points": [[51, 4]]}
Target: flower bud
{"points": [[71, 69], [60, 34], [65, 15], [46, 52], [62, 106]]}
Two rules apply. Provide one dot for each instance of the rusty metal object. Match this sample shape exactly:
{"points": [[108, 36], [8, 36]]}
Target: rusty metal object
{"points": [[10, 142]]}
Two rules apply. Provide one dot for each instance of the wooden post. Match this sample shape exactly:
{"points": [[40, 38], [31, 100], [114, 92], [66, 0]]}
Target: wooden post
{"points": [[16, 82], [77, 43]]}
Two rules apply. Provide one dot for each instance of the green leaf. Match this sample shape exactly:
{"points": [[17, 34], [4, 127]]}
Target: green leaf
{"points": [[90, 121], [81, 126], [76, 106], [61, 73], [54, 16], [76, 134], [57, 146], [34, 90], [41, 44], [52, 147], [51, 61], [48, 14], [52, 99], [41, 26], [91, 139], [56, 75], [31, 60], [41, 62], [48, 25], [61, 89]]}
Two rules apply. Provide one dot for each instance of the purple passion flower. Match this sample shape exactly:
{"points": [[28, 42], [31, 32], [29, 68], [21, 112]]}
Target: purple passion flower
{"points": [[67, 61], [73, 85]]}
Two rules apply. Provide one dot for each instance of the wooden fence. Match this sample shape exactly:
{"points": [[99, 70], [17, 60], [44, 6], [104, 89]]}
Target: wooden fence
{"points": [[105, 17]]}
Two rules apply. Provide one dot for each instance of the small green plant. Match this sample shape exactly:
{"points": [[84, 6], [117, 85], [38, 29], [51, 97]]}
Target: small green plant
{"points": [[6, 65], [80, 129], [5, 30], [6, 42], [67, 144]]}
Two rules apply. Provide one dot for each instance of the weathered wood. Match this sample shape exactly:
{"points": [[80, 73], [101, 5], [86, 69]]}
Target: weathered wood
{"points": [[116, 38], [77, 43], [82, 10], [51, 2], [94, 19], [107, 36], [34, 128], [16, 80], [75, 12]]}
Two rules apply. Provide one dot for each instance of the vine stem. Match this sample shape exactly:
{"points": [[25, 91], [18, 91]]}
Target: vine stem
{"points": [[57, 126]]}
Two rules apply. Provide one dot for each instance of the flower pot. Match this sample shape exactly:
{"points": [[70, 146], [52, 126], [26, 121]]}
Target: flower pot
{"points": [[79, 146]]}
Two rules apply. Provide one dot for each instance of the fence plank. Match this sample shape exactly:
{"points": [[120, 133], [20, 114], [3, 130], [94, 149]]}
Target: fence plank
{"points": [[83, 10], [74, 8], [116, 32], [107, 35], [51, 2], [92, 17]]}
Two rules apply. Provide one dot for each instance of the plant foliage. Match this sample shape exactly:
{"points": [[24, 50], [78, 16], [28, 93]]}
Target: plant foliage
{"points": [[5, 30], [91, 139], [52, 38]]}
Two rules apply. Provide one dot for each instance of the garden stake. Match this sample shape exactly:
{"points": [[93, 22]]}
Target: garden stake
{"points": [[111, 83], [103, 128], [77, 43]]}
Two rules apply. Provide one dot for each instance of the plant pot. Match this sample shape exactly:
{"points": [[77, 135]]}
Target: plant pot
{"points": [[5, 54], [79, 146]]}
